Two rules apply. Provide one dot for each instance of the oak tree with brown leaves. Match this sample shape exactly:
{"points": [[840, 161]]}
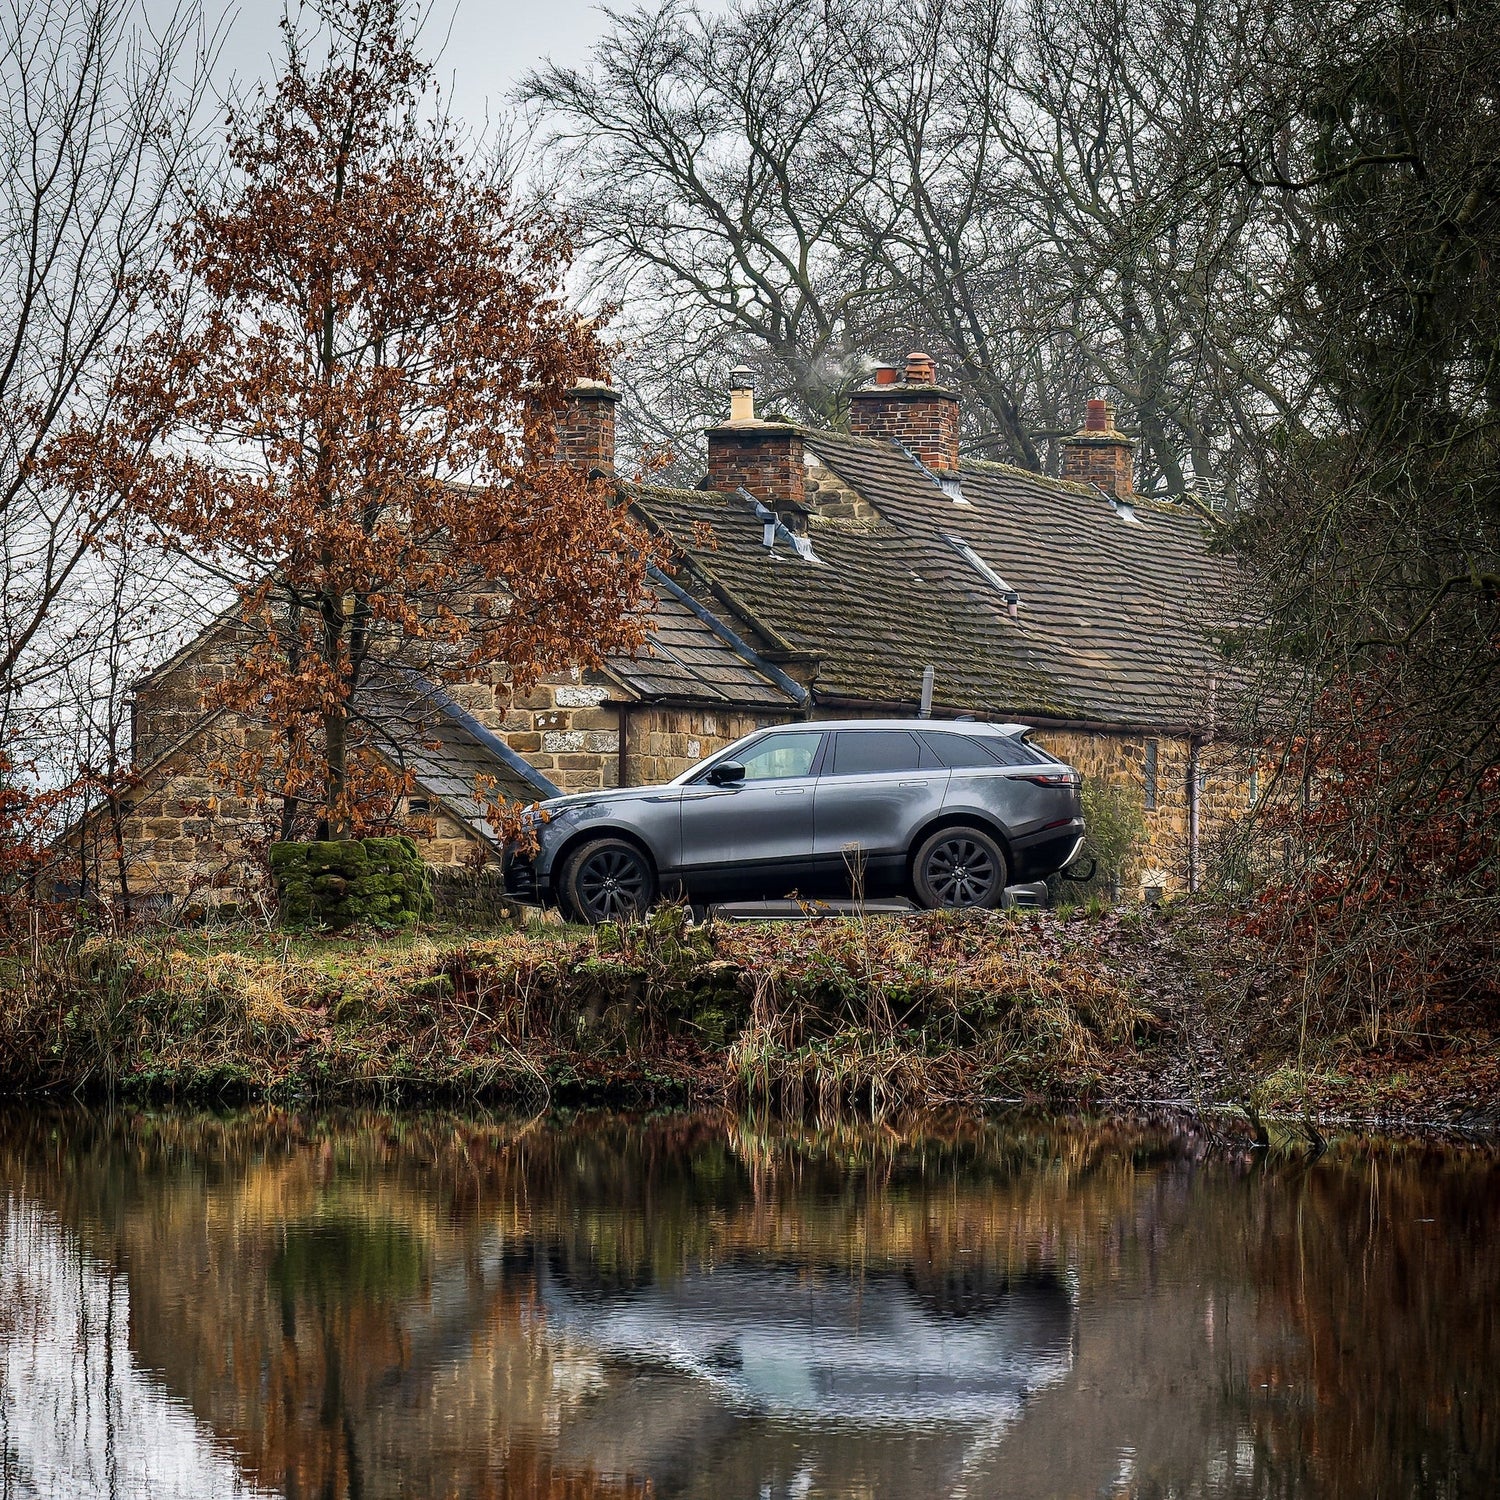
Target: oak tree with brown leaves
{"points": [[351, 416]]}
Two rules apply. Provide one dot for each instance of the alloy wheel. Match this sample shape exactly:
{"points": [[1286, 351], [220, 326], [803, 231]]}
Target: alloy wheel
{"points": [[961, 872], [612, 884]]}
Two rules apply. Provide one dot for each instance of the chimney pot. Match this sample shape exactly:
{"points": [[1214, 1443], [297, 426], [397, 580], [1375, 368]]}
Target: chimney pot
{"points": [[886, 374], [1099, 417], [920, 369], [741, 395]]}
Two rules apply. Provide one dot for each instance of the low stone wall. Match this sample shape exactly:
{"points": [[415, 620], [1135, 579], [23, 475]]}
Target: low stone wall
{"points": [[465, 897], [335, 883]]}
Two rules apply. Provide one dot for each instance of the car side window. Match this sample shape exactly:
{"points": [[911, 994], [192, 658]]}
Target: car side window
{"points": [[865, 752], [963, 751], [959, 752], [781, 755]]}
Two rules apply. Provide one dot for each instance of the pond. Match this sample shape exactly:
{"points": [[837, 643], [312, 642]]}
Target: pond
{"points": [[366, 1305]]}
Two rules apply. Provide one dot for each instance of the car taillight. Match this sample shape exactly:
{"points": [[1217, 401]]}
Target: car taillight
{"points": [[1056, 778]]}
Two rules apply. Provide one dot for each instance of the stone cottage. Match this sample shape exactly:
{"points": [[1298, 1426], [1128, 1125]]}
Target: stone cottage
{"points": [[868, 572]]}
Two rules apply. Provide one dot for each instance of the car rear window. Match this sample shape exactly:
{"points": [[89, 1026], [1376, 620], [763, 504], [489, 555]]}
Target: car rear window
{"points": [[864, 752], [958, 751]]}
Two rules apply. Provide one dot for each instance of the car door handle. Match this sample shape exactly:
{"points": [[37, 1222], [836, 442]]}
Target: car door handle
{"points": [[791, 791], [911, 783]]}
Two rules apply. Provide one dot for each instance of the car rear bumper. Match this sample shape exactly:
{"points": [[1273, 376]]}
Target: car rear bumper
{"points": [[1038, 855]]}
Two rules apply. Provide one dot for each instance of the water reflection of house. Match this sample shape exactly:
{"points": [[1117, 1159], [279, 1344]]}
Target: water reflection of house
{"points": [[426, 1309]]}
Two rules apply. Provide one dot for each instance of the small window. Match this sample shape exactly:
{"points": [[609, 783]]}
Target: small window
{"points": [[867, 752], [1149, 775], [782, 755]]}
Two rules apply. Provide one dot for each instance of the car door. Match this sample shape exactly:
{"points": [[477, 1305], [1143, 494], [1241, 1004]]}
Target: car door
{"points": [[754, 837], [877, 786]]}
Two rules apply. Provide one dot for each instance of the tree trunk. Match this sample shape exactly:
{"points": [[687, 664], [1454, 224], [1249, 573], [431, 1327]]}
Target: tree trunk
{"points": [[336, 756]]}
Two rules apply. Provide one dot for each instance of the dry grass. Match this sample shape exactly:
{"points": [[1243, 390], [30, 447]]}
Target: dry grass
{"points": [[883, 1014]]}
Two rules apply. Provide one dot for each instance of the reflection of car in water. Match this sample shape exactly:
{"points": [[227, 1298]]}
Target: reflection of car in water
{"points": [[819, 1346]]}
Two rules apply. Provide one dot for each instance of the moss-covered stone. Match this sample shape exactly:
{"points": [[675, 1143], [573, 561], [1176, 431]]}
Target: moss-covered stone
{"points": [[335, 883]]}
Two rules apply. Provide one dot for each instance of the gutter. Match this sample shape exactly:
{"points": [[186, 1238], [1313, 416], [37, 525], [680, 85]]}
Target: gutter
{"points": [[789, 685], [900, 706], [1192, 791]]}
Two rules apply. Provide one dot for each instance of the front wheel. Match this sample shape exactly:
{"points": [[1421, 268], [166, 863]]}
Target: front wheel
{"points": [[959, 867], [608, 880]]}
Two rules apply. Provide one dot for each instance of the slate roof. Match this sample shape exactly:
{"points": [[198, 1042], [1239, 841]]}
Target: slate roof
{"points": [[1111, 625], [418, 727], [686, 661]]}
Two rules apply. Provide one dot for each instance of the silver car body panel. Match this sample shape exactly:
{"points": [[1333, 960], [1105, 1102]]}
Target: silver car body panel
{"points": [[811, 831]]}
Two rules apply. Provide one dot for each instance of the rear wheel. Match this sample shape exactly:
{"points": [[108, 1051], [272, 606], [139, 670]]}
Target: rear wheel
{"points": [[608, 880], [959, 867]]}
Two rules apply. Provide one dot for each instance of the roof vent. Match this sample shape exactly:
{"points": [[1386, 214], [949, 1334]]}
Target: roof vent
{"points": [[950, 484], [776, 531]]}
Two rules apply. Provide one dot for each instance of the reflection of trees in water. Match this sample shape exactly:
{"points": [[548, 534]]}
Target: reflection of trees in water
{"points": [[352, 1301]]}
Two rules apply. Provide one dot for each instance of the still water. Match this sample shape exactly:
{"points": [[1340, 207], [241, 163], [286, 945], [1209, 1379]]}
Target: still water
{"points": [[367, 1305]]}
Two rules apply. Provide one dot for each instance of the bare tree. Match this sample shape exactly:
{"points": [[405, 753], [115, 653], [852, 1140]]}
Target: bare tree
{"points": [[97, 131], [1045, 196]]}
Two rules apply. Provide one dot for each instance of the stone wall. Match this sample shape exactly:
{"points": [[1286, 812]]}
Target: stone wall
{"points": [[830, 499], [665, 742], [173, 702], [186, 835], [1122, 759]]}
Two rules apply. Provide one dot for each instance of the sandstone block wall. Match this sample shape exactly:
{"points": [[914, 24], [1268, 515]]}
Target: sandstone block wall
{"points": [[186, 834], [1165, 856]]}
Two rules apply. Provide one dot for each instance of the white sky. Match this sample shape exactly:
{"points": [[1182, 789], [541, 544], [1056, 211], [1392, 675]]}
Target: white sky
{"points": [[490, 43]]}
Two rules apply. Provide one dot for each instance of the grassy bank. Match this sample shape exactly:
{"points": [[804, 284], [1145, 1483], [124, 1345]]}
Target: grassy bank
{"points": [[1110, 1008]]}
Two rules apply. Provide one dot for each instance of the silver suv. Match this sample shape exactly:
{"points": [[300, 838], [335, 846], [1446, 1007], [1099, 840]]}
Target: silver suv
{"points": [[948, 813]]}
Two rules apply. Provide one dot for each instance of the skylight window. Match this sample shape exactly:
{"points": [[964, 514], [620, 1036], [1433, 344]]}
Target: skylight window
{"points": [[986, 572]]}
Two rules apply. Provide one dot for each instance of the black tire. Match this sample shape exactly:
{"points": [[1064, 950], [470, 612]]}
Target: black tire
{"points": [[607, 880], [959, 868]]}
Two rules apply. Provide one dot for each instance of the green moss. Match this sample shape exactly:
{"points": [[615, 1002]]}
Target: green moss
{"points": [[336, 883]]}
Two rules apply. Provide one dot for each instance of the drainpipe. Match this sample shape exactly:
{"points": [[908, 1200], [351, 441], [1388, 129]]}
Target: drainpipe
{"points": [[624, 747], [1193, 814]]}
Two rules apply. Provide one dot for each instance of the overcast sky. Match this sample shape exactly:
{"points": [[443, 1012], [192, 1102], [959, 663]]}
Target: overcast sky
{"points": [[490, 43]]}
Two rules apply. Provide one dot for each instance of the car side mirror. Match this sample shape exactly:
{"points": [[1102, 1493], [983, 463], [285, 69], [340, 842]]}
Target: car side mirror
{"points": [[726, 773]]}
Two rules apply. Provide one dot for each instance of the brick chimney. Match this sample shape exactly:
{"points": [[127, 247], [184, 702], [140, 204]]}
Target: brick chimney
{"points": [[586, 426], [764, 458], [911, 407], [1100, 454]]}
